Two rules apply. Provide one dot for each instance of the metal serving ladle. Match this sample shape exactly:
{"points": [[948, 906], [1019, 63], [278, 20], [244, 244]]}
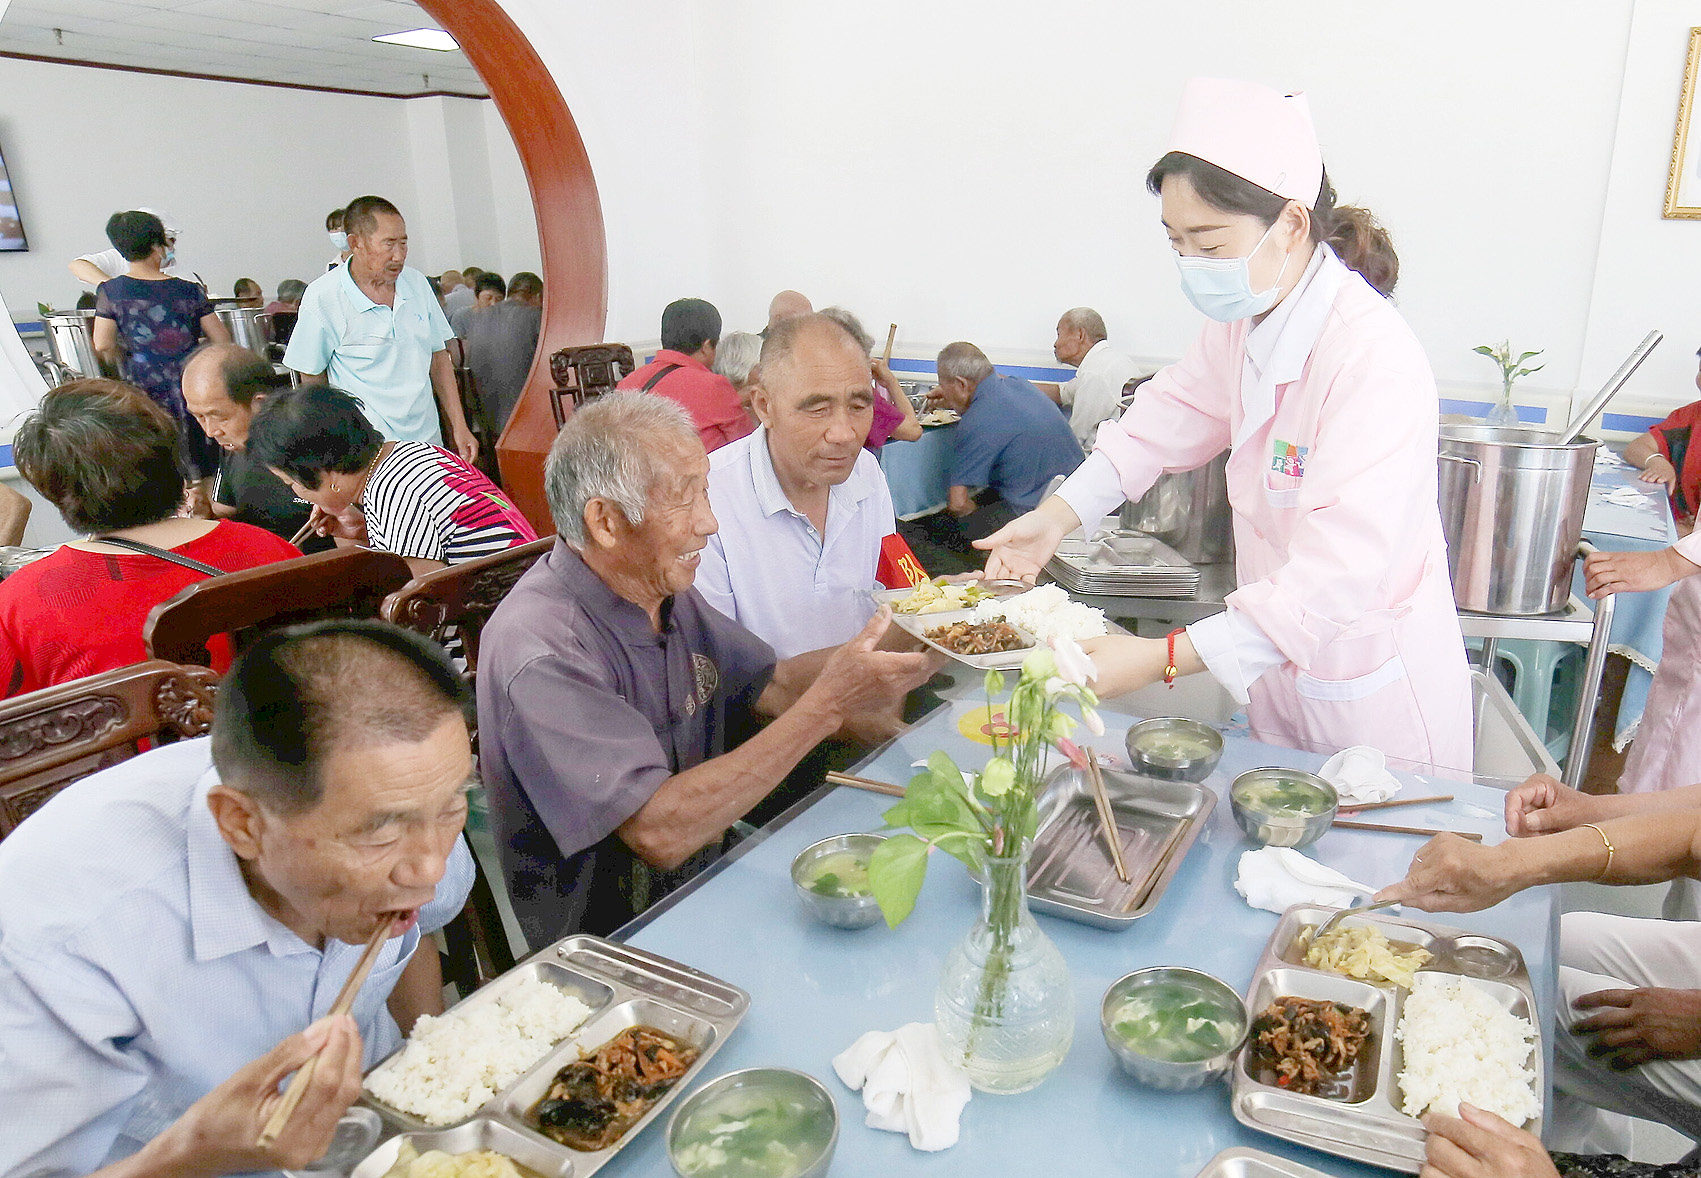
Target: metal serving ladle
{"points": [[1343, 913]]}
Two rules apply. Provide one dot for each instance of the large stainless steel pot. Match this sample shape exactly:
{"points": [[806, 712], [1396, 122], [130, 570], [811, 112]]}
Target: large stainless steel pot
{"points": [[70, 337], [1512, 503], [246, 327], [1189, 511]]}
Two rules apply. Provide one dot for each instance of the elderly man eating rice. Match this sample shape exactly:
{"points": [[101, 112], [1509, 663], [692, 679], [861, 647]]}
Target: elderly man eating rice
{"points": [[174, 930]]}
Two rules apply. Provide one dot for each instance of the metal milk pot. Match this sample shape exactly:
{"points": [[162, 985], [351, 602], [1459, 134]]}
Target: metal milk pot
{"points": [[1512, 503]]}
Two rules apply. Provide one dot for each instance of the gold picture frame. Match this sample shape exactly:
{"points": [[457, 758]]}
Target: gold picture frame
{"points": [[1683, 182]]}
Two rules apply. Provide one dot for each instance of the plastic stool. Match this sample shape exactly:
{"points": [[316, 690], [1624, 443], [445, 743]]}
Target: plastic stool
{"points": [[1534, 668]]}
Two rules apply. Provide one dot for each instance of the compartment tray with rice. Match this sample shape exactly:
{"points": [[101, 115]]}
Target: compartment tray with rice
{"points": [[1368, 1122]]}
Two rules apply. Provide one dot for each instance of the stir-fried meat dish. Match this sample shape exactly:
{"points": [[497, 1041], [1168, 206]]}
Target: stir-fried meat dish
{"points": [[978, 638], [591, 1103], [1308, 1042]]}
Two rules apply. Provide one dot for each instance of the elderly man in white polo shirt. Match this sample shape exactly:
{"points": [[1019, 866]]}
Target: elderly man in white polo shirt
{"points": [[803, 508], [374, 329], [1100, 372]]}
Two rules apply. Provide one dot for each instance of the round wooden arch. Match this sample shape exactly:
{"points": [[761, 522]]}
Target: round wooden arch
{"points": [[569, 224]]}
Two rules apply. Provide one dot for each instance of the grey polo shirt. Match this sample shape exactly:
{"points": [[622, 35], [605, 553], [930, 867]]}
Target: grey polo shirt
{"points": [[583, 711]]}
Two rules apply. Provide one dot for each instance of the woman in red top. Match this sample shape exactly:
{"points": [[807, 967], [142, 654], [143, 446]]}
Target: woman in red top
{"points": [[1670, 453], [106, 456]]}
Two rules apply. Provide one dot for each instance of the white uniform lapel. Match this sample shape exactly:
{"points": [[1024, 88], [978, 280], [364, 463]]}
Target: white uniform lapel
{"points": [[1277, 349]]}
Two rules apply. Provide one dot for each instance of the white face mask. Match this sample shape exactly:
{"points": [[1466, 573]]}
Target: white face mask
{"points": [[339, 240], [1222, 287]]}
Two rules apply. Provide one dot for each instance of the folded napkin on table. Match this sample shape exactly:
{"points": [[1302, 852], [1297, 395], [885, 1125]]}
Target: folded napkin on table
{"points": [[1627, 497], [1360, 774], [907, 1083], [1277, 878]]}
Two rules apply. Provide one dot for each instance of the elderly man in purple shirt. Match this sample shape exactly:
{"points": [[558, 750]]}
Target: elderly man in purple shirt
{"points": [[610, 692]]}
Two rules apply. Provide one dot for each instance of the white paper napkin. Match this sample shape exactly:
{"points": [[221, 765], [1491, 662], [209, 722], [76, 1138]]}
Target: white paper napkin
{"points": [[907, 1083], [1360, 774], [1277, 878], [1626, 497]]}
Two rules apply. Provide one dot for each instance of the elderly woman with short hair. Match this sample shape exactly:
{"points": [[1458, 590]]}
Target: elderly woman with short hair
{"points": [[735, 358], [412, 498], [106, 456]]}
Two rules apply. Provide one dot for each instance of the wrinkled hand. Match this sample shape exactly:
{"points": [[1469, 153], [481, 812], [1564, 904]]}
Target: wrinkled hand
{"points": [[1660, 470], [1478, 1144], [197, 504], [465, 444], [1451, 874], [1021, 547], [350, 525], [865, 686], [1545, 806], [1634, 572], [217, 1133], [1632, 1027]]}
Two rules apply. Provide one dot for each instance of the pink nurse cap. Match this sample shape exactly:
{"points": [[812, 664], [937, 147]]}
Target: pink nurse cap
{"points": [[1255, 132]]}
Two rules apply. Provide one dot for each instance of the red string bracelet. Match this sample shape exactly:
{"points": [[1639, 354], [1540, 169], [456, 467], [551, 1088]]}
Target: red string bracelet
{"points": [[1171, 670]]}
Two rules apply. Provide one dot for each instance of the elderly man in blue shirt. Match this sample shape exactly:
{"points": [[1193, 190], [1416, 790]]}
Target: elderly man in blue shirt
{"points": [[174, 930], [374, 329], [803, 508]]}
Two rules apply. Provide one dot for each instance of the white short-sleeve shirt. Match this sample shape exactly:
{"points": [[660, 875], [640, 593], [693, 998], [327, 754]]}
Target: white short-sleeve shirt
{"points": [[771, 572], [1092, 396]]}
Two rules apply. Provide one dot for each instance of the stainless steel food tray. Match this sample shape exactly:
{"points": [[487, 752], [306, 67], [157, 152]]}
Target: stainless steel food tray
{"points": [[1070, 873], [1122, 563], [1255, 1163], [623, 987], [1368, 1125]]}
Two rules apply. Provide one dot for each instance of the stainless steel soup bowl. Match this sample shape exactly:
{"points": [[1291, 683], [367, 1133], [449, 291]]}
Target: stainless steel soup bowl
{"points": [[1164, 768], [1276, 828], [849, 912], [1162, 1073], [787, 1080]]}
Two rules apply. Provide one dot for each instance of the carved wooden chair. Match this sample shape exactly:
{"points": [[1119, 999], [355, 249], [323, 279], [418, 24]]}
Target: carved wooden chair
{"points": [[586, 372], [52, 737], [462, 596], [343, 582]]}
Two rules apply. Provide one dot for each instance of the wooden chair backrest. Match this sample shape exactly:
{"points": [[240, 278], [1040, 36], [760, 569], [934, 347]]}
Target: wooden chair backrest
{"points": [[340, 583], [586, 372], [52, 737], [462, 595]]}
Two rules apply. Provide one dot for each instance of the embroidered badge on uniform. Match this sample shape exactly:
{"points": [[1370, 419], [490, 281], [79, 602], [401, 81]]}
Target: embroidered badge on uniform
{"points": [[1289, 459], [708, 677]]}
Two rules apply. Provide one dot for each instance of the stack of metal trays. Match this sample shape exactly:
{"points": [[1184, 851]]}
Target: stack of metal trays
{"points": [[1117, 563]]}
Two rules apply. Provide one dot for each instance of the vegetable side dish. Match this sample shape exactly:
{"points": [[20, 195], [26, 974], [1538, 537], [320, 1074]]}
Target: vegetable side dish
{"points": [[1308, 1043], [434, 1163], [1365, 953], [591, 1103], [934, 597], [977, 638]]}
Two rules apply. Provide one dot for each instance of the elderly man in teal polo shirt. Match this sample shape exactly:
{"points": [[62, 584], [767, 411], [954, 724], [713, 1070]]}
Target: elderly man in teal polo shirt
{"points": [[374, 329]]}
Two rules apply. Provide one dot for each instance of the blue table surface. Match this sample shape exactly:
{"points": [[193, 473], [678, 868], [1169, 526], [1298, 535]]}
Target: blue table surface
{"points": [[918, 472], [814, 989]]}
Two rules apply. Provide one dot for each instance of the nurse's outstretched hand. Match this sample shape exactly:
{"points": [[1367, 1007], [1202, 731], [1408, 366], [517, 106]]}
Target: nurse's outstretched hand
{"points": [[1021, 547], [1451, 874], [1605, 573]]}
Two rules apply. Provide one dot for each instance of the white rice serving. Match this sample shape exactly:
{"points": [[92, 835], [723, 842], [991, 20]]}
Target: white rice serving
{"points": [[1046, 613], [1462, 1045], [454, 1063]]}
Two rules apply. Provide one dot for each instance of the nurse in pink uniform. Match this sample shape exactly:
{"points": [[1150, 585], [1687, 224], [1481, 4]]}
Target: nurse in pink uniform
{"points": [[1343, 630]]}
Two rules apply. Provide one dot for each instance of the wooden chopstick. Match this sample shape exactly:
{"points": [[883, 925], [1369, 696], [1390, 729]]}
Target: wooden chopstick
{"points": [[867, 783], [345, 1000], [1355, 807], [1107, 818], [295, 540], [1429, 830], [891, 334]]}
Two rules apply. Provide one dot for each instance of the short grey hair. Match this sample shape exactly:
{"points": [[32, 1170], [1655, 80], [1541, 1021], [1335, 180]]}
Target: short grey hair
{"points": [[610, 449], [783, 336], [736, 356], [851, 324], [963, 361], [1087, 321]]}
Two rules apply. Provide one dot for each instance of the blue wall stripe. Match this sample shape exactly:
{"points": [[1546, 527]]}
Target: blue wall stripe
{"points": [[1030, 371], [1629, 423], [1534, 414]]}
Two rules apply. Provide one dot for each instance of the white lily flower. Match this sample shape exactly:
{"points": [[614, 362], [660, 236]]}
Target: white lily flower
{"points": [[1091, 719], [1073, 665]]}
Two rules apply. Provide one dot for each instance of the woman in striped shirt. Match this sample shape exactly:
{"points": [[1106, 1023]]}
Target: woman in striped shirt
{"points": [[414, 499]]}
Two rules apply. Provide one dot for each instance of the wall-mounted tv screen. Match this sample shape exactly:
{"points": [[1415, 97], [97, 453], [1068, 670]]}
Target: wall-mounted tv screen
{"points": [[11, 224]]}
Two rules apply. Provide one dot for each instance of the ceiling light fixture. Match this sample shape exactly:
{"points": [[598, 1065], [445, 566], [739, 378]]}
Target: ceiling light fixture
{"points": [[421, 39]]}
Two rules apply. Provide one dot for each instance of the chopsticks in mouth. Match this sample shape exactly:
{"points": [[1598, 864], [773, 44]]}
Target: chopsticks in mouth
{"points": [[1472, 835], [865, 783], [345, 1001]]}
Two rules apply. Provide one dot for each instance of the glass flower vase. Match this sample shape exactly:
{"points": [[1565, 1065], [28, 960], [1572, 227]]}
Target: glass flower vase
{"points": [[1504, 413], [1004, 1006]]}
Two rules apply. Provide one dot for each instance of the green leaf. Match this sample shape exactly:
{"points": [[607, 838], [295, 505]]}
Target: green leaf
{"points": [[940, 764], [895, 872], [1526, 356], [997, 778], [994, 683], [963, 850], [1485, 350]]}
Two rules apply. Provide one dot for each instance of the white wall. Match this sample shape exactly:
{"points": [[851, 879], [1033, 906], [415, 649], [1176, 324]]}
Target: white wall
{"points": [[249, 173], [970, 169]]}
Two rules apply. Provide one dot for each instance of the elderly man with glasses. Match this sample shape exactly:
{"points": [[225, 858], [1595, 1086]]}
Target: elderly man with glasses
{"points": [[612, 696]]}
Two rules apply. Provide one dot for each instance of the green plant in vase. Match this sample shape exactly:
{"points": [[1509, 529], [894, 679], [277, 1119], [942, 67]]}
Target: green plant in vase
{"points": [[1511, 369], [1003, 1007]]}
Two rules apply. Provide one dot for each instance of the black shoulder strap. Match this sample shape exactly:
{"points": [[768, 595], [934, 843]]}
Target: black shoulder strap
{"points": [[655, 377], [164, 554]]}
